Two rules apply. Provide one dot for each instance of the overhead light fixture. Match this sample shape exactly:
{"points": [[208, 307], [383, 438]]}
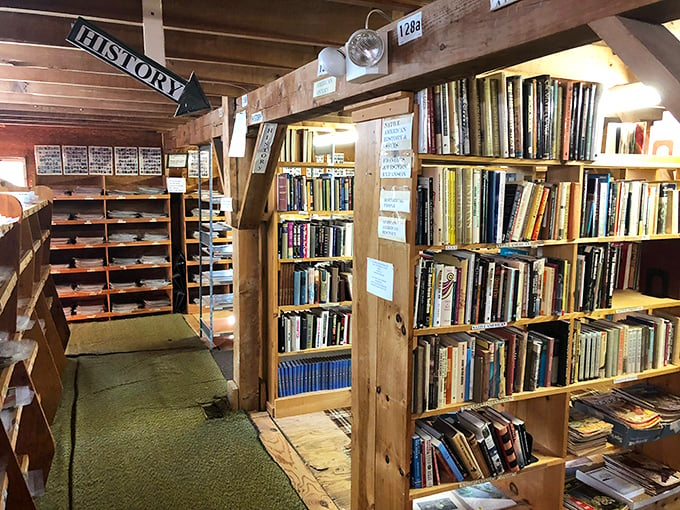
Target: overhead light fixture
{"points": [[332, 61], [366, 52]]}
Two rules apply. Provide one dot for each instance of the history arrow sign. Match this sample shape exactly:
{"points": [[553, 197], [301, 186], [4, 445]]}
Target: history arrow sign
{"points": [[188, 95]]}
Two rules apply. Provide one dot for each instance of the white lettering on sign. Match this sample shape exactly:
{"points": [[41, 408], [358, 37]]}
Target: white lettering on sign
{"points": [[264, 148], [397, 132], [380, 278], [395, 200], [410, 28], [477, 327], [392, 229], [395, 165], [324, 87]]}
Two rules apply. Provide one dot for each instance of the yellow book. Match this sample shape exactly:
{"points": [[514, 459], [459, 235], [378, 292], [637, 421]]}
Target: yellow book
{"points": [[451, 206], [532, 214]]}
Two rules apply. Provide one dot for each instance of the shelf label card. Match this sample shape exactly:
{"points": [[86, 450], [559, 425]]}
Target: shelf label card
{"points": [[264, 148], [499, 4], [397, 132], [396, 165], [410, 28], [630, 309], [324, 87], [177, 185], [395, 200], [627, 378], [226, 204], [477, 327], [392, 229], [244, 100], [379, 278], [237, 147], [256, 117]]}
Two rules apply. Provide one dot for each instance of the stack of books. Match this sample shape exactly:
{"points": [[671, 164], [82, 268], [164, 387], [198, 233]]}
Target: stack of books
{"points": [[159, 302], [60, 241], [122, 215], [655, 477], [150, 190], [83, 190], [87, 216], [154, 283], [89, 239], [123, 261], [89, 309], [613, 408], [481, 496], [586, 433], [155, 236], [90, 287], [123, 285], [469, 445], [88, 263], [665, 404], [580, 496], [125, 307], [123, 237], [153, 259]]}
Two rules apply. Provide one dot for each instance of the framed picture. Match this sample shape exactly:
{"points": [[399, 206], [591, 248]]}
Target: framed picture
{"points": [[100, 160], [75, 159], [48, 159], [176, 160], [126, 161], [192, 163], [150, 161]]}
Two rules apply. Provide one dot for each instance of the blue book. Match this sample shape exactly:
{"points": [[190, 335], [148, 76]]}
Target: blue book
{"points": [[542, 366], [416, 466], [443, 450], [296, 288]]}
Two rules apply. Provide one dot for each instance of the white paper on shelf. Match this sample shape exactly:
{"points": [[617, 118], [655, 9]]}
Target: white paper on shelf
{"points": [[380, 278]]}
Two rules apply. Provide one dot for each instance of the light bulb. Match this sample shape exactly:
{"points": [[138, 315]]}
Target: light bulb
{"points": [[365, 48]]}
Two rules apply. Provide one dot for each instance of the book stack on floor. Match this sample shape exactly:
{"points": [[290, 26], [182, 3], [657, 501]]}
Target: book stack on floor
{"points": [[482, 496], [604, 348], [510, 117], [468, 445], [466, 205], [465, 287], [494, 363], [586, 433]]}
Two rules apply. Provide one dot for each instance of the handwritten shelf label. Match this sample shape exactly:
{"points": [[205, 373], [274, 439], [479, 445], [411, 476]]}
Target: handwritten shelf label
{"points": [[395, 200], [392, 229], [397, 133], [395, 166], [324, 87], [477, 327], [380, 278]]}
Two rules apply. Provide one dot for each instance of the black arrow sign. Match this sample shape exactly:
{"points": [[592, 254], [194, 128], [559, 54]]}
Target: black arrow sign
{"points": [[187, 94]]}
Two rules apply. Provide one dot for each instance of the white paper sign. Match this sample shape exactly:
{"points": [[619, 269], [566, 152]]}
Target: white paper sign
{"points": [[395, 200], [100, 160], [244, 100], [48, 159], [498, 4], [410, 28], [392, 229], [150, 161], [324, 87], [395, 166], [205, 160], [192, 163], [264, 148], [226, 204], [237, 147], [397, 132], [177, 185], [126, 162], [75, 159], [380, 278], [256, 118]]}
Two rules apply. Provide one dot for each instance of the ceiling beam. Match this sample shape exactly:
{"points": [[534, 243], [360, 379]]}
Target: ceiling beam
{"points": [[125, 10], [404, 6], [460, 38], [58, 110], [85, 103]]}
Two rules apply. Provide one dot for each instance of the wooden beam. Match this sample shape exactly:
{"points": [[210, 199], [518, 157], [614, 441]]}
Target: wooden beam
{"points": [[405, 6], [198, 131], [253, 196], [76, 110], [460, 38], [124, 10], [650, 50], [12, 97], [248, 330]]}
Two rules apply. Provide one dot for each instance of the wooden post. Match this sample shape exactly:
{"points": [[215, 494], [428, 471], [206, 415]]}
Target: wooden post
{"points": [[650, 50]]}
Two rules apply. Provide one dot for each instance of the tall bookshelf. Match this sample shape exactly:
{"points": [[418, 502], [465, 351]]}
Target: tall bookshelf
{"points": [[29, 311], [382, 396], [301, 197], [127, 230]]}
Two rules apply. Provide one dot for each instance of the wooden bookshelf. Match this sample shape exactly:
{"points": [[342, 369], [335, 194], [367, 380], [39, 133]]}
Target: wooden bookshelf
{"points": [[27, 297], [118, 195], [383, 360], [277, 405]]}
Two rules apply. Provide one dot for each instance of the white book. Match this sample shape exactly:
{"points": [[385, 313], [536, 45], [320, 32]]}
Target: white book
{"points": [[610, 483], [476, 204], [634, 216], [501, 207]]}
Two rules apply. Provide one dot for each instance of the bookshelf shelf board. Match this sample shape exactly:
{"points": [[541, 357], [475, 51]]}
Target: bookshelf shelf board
{"points": [[306, 215], [30, 361], [637, 161], [5, 377], [625, 301], [44, 236], [624, 378], [215, 218], [137, 197], [71, 198], [481, 160], [14, 431], [134, 290], [76, 270], [36, 244], [314, 259], [74, 294], [544, 461], [220, 262], [195, 285], [77, 246], [79, 222], [297, 308], [296, 164], [35, 293], [138, 266], [6, 290], [143, 311], [25, 260], [75, 318], [6, 227], [311, 402], [159, 219], [318, 350], [32, 209], [138, 243]]}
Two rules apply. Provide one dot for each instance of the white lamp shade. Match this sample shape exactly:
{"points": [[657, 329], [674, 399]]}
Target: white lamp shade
{"points": [[333, 61]]}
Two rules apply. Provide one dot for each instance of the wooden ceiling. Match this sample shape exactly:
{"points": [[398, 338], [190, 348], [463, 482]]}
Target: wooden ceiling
{"points": [[233, 46]]}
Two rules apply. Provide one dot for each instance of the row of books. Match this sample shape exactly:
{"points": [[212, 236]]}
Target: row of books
{"points": [[469, 445], [298, 145], [315, 190], [604, 348], [315, 329], [465, 205], [465, 287], [510, 117], [493, 363], [317, 374], [310, 239], [628, 207], [324, 282]]}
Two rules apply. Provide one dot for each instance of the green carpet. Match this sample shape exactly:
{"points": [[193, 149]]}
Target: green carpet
{"points": [[142, 440], [156, 332]]}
